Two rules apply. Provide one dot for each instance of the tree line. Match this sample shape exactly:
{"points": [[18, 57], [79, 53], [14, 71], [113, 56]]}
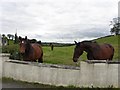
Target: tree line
{"points": [[6, 39]]}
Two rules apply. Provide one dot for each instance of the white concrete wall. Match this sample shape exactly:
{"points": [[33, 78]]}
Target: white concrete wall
{"points": [[99, 74]]}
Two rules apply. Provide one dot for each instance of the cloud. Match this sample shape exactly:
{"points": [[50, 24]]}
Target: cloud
{"points": [[56, 19], [78, 35]]}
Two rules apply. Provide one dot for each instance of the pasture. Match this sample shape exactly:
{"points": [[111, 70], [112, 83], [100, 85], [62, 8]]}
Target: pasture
{"points": [[63, 55]]}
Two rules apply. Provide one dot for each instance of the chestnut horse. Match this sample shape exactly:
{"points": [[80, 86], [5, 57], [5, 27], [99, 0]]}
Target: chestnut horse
{"points": [[94, 51], [30, 52]]}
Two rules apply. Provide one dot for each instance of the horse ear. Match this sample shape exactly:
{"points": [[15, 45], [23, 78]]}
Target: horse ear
{"points": [[75, 42], [25, 37], [20, 38]]}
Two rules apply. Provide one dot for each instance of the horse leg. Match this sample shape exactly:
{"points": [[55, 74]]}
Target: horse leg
{"points": [[111, 52], [40, 60], [89, 57], [111, 57]]}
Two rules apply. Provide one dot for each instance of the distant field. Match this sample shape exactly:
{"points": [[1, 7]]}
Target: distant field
{"points": [[63, 55]]}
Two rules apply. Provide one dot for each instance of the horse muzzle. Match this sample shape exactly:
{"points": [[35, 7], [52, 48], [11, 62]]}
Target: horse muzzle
{"points": [[22, 53], [75, 59]]}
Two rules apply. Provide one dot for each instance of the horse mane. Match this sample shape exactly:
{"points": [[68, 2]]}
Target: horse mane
{"points": [[90, 43], [87, 42], [28, 47]]}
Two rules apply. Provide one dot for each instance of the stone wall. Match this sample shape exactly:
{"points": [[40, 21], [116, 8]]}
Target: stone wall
{"points": [[94, 74]]}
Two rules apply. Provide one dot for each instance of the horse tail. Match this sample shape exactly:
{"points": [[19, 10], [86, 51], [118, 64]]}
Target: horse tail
{"points": [[111, 51], [40, 60], [111, 48]]}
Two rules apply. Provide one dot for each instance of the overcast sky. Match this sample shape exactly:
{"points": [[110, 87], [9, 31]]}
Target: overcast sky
{"points": [[58, 20]]}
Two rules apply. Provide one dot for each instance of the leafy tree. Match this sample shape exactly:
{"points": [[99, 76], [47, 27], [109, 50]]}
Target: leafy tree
{"points": [[39, 42], [4, 39], [12, 36], [33, 41], [3, 35], [115, 26], [9, 36]]}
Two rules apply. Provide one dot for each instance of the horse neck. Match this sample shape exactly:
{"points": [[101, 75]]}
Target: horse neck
{"points": [[88, 48], [91, 47], [28, 49]]}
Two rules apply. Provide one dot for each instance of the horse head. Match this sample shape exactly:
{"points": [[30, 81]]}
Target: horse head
{"points": [[24, 45], [78, 51]]}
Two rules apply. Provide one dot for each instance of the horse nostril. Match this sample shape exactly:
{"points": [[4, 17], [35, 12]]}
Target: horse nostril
{"points": [[22, 53], [74, 60]]}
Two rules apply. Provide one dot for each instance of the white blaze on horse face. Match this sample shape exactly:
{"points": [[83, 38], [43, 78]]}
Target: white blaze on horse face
{"points": [[23, 42]]}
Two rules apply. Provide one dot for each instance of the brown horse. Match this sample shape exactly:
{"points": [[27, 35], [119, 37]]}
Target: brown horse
{"points": [[94, 51], [30, 51]]}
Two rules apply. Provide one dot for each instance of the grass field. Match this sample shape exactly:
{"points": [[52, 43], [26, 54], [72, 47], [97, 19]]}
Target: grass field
{"points": [[60, 55], [63, 55]]}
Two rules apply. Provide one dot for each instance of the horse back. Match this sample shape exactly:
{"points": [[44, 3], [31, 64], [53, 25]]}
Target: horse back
{"points": [[37, 50], [107, 47], [106, 51], [103, 52]]}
